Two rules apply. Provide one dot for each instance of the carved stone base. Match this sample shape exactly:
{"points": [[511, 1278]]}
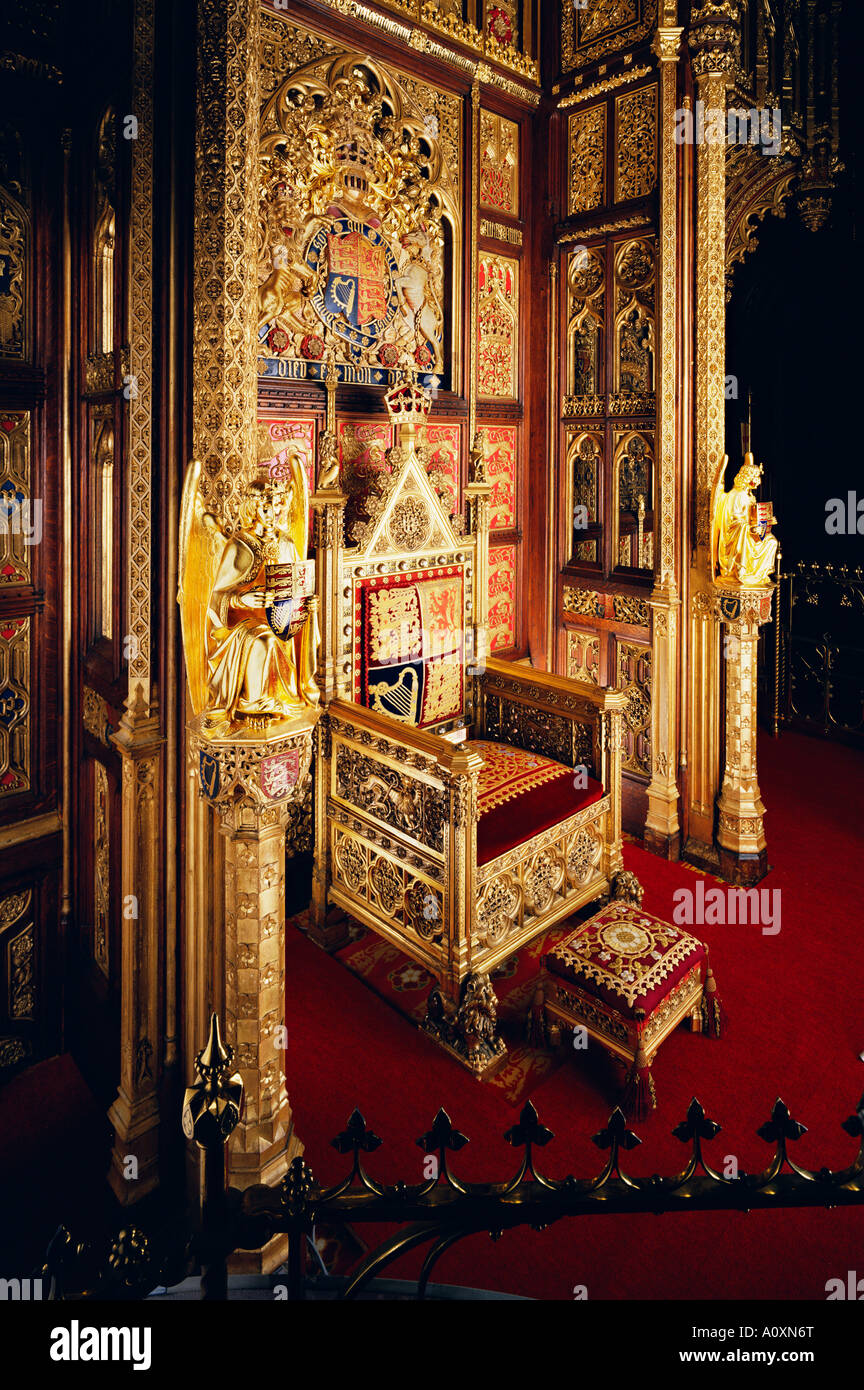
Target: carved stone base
{"points": [[702, 856], [469, 1030], [742, 869], [136, 1129], [665, 846]]}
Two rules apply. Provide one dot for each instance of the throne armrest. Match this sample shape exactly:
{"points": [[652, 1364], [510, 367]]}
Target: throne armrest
{"points": [[450, 759], [420, 785]]}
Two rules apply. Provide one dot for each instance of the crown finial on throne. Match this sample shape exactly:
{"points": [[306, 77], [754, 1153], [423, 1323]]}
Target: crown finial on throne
{"points": [[408, 405]]}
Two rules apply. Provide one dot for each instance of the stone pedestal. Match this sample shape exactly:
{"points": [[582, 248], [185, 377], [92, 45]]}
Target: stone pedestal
{"points": [[254, 782], [741, 841]]}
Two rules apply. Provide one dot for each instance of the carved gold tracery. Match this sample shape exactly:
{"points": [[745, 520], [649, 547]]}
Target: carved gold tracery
{"points": [[756, 188], [634, 318], [586, 300], [586, 137]]}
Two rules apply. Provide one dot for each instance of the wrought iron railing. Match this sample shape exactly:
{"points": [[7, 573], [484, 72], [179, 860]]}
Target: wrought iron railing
{"points": [[818, 655], [436, 1213]]}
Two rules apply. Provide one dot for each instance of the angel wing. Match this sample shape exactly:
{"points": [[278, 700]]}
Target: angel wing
{"points": [[298, 521], [715, 514], [201, 545]]}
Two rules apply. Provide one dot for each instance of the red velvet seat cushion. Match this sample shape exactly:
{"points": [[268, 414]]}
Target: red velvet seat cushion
{"points": [[521, 794], [626, 957]]}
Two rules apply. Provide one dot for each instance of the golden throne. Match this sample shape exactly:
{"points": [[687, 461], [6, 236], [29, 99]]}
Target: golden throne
{"points": [[463, 805]]}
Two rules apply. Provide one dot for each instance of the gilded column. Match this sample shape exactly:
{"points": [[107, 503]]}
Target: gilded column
{"points": [[254, 786], [328, 926], [740, 832], [713, 39], [662, 827], [139, 740], [250, 740], [225, 288]]}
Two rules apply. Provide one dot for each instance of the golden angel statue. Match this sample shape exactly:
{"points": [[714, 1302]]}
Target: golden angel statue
{"points": [[743, 550], [248, 611]]}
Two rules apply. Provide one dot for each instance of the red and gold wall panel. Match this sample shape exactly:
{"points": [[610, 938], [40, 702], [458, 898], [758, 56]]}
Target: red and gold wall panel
{"points": [[443, 444], [497, 327], [500, 454], [502, 597]]}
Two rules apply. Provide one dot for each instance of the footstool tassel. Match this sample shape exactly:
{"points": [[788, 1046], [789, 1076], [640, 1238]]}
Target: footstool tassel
{"points": [[640, 1097], [714, 1021]]}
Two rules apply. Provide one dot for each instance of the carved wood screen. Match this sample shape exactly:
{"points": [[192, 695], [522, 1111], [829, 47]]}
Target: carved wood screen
{"points": [[30, 579], [606, 131]]}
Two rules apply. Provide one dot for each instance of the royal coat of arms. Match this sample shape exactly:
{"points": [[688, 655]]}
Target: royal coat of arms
{"points": [[357, 297], [355, 199]]}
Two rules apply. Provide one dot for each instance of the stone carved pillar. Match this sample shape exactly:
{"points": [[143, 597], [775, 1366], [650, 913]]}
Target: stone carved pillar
{"points": [[134, 1113], [225, 289], [254, 785], [740, 834], [713, 38], [256, 777], [662, 827]]}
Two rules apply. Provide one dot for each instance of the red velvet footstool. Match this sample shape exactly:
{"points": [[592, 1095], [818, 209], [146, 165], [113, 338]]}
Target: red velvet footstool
{"points": [[628, 979]]}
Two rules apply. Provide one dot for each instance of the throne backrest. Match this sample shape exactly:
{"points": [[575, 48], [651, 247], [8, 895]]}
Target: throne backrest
{"points": [[407, 590]]}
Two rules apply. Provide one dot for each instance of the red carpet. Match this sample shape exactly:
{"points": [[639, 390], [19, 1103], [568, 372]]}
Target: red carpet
{"points": [[796, 1028]]}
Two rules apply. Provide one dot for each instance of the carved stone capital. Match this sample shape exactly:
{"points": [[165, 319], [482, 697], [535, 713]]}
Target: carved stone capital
{"points": [[258, 772], [667, 44], [714, 38], [742, 607]]}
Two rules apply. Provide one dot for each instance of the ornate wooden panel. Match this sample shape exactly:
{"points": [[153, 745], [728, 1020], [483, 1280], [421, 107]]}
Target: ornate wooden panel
{"points": [[20, 513], [500, 454], [586, 141], [583, 656], [15, 723], [29, 984], [443, 446], [597, 28], [634, 676], [636, 143], [14, 278], [499, 163]]}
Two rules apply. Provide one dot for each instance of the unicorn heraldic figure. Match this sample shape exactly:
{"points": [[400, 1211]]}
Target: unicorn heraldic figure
{"points": [[743, 550], [249, 615]]}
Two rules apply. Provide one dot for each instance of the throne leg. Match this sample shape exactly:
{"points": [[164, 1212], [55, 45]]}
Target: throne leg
{"points": [[328, 925], [468, 1030]]}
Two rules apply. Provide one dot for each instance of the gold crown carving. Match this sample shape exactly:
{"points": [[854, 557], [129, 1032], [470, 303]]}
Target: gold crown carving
{"points": [[408, 404], [343, 147]]}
